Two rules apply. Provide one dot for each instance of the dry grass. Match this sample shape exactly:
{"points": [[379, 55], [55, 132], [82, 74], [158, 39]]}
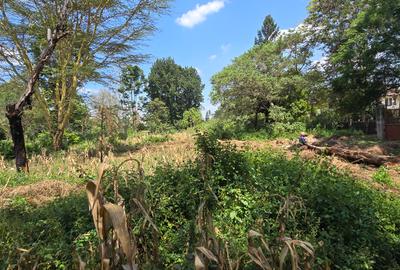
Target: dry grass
{"points": [[38, 193], [50, 175], [54, 176]]}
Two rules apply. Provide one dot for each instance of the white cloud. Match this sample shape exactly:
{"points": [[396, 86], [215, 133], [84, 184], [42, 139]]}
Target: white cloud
{"points": [[212, 57], [200, 13], [225, 47]]}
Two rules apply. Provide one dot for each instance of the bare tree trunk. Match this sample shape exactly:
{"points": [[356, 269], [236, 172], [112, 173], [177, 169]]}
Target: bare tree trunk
{"points": [[17, 134], [57, 139], [256, 121], [14, 111]]}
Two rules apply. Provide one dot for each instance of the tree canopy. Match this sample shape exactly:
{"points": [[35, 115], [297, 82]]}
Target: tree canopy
{"points": [[361, 40], [268, 32], [272, 73], [180, 88]]}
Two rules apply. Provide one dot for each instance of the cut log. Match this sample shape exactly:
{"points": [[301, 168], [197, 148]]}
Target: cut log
{"points": [[356, 156]]}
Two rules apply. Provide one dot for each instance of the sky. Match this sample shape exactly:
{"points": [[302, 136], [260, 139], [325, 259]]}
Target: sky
{"points": [[208, 34]]}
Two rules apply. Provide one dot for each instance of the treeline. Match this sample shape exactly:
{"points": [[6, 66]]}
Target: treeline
{"points": [[56, 110], [168, 99], [329, 71]]}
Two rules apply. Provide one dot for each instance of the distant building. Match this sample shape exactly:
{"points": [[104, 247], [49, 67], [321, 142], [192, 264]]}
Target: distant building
{"points": [[392, 100]]}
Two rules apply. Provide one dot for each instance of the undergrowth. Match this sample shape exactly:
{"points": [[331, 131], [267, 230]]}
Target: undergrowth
{"points": [[215, 210]]}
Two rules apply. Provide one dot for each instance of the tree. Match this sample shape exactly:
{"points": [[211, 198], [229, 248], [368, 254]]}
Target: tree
{"points": [[272, 73], [191, 118], [157, 116], [363, 51], [108, 35], [178, 87], [367, 64], [106, 115], [131, 86], [9, 29], [268, 32], [105, 35], [208, 115]]}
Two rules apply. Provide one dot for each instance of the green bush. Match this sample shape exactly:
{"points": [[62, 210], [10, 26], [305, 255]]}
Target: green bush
{"points": [[350, 225], [6, 149], [3, 134], [190, 119], [382, 176], [287, 130], [48, 233], [71, 138], [152, 139], [323, 132], [224, 129]]}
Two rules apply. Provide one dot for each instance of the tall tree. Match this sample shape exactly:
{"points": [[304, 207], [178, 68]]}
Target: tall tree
{"points": [[268, 32], [180, 88], [361, 39], [272, 73], [131, 86], [105, 35], [10, 30]]}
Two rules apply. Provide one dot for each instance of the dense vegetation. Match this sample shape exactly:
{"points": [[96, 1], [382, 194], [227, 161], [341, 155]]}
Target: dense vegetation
{"points": [[350, 225], [212, 206]]}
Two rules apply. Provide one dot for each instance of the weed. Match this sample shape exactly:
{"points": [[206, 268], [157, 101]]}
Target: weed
{"points": [[382, 176]]}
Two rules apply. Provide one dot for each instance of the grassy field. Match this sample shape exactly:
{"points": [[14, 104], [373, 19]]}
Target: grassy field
{"points": [[72, 169], [245, 184]]}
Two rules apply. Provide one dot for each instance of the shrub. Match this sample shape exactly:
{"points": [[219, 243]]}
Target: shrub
{"points": [[43, 236], [6, 149], [3, 134], [191, 118], [224, 128], [71, 138], [382, 176], [289, 130]]}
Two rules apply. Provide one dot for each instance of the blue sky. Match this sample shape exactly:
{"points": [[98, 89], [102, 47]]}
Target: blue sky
{"points": [[208, 34]]}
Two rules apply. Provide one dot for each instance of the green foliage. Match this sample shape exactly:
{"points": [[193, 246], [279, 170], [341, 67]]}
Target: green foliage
{"points": [[191, 118], [350, 225], [323, 132], [382, 176], [152, 139], [3, 134], [157, 116], [268, 32], [131, 86], [361, 48], [45, 236], [272, 73], [223, 129], [6, 149], [179, 88]]}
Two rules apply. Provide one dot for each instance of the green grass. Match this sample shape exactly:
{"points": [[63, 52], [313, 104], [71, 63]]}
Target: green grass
{"points": [[350, 225]]}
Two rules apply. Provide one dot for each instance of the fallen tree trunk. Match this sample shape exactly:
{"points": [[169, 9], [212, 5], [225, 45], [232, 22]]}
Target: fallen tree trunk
{"points": [[355, 156]]}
